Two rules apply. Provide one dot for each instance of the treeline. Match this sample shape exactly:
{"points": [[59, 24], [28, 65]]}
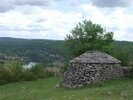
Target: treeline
{"points": [[124, 46], [53, 50], [35, 50]]}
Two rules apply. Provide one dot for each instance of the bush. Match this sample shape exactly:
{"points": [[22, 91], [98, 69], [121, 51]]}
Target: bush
{"points": [[131, 72], [10, 72], [28, 75], [5, 75], [65, 67], [13, 71], [122, 55], [38, 70], [127, 71], [48, 73]]}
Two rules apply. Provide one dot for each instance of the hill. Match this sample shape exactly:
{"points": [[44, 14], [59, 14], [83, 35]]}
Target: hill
{"points": [[41, 50], [36, 50]]}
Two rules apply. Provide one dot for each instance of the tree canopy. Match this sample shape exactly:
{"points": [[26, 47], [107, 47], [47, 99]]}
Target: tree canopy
{"points": [[89, 36]]}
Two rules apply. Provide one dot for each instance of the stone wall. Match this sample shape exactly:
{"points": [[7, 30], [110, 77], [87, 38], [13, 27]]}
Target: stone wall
{"points": [[80, 74]]}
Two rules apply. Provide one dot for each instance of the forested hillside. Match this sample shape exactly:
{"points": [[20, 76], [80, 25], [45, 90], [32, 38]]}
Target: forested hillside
{"points": [[124, 46], [47, 50], [35, 50]]}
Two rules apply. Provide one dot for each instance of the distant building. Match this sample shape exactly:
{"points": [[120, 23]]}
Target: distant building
{"points": [[91, 67]]}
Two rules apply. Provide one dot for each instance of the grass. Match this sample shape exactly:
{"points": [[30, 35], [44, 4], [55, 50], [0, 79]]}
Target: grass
{"points": [[44, 89]]}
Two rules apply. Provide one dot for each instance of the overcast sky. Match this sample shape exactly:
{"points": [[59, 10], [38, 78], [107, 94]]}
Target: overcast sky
{"points": [[53, 19]]}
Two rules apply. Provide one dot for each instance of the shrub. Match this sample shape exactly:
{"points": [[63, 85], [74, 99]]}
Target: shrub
{"points": [[5, 75], [48, 73], [38, 70], [131, 72], [13, 71], [10, 72], [28, 75], [122, 55], [65, 67], [127, 71]]}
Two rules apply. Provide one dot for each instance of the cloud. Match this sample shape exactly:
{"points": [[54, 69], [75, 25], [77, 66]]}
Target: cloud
{"points": [[112, 3], [118, 20], [34, 2], [73, 3], [46, 23], [7, 5], [28, 21]]}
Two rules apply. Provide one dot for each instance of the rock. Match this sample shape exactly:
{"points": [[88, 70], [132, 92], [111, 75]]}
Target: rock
{"points": [[57, 86], [109, 93], [81, 72]]}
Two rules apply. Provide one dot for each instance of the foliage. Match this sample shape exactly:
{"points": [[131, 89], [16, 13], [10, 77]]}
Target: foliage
{"points": [[49, 73], [123, 56], [125, 48], [10, 72], [35, 50], [65, 67], [40, 50], [13, 71], [28, 75], [89, 36], [131, 73]]}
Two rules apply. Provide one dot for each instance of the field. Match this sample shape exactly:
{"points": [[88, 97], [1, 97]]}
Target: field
{"points": [[45, 89]]}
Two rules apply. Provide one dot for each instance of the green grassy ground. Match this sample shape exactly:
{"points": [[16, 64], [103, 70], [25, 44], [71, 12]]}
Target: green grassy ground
{"points": [[44, 89]]}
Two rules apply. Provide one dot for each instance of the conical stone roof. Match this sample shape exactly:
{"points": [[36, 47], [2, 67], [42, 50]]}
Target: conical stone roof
{"points": [[95, 57]]}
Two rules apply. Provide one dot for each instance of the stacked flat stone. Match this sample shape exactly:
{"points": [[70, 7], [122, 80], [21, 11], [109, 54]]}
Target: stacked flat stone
{"points": [[89, 68]]}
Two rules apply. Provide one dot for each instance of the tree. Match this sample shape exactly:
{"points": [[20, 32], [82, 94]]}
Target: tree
{"points": [[122, 55], [89, 36]]}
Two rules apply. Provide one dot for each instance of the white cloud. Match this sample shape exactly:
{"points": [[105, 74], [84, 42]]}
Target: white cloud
{"points": [[73, 3], [7, 5], [37, 22], [114, 19], [112, 3]]}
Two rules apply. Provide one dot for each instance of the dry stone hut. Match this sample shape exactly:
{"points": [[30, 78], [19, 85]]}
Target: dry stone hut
{"points": [[91, 67]]}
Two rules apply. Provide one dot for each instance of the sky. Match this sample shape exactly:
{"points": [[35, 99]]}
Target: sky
{"points": [[53, 19]]}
